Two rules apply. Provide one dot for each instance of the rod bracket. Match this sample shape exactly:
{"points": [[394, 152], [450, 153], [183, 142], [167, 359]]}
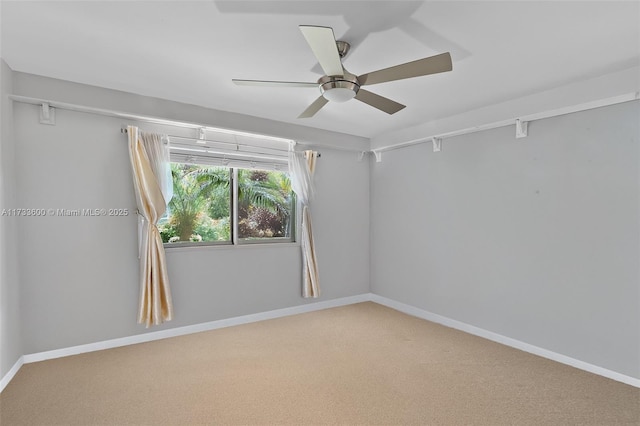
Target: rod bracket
{"points": [[378, 155], [47, 114], [437, 144], [521, 128], [361, 155], [202, 136]]}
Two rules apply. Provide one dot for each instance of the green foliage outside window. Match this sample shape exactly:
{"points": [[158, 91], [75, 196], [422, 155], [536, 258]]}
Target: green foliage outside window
{"points": [[264, 204], [200, 208]]}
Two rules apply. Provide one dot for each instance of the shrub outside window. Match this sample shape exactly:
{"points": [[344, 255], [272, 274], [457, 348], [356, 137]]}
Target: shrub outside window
{"points": [[265, 205]]}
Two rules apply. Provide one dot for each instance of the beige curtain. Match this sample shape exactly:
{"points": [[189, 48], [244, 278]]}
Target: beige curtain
{"points": [[302, 166], [150, 163]]}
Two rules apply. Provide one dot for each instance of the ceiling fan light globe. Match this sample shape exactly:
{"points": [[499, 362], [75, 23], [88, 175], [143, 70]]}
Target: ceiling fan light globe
{"points": [[339, 90], [338, 94]]}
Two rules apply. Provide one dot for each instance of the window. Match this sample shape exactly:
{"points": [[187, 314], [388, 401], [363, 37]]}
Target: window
{"points": [[217, 205], [265, 204]]}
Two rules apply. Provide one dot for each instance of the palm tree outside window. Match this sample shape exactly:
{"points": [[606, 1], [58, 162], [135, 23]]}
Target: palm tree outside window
{"points": [[203, 205]]}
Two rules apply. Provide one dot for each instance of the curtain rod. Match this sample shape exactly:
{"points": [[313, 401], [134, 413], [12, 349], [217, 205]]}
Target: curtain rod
{"points": [[146, 119]]}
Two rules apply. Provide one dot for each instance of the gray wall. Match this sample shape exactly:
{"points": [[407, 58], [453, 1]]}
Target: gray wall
{"points": [[10, 338], [79, 275], [536, 239]]}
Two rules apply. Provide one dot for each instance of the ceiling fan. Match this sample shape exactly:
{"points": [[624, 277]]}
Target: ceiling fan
{"points": [[339, 85]]}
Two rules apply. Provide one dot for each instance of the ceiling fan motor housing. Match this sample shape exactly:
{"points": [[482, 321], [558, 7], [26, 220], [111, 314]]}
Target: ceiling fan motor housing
{"points": [[339, 88]]}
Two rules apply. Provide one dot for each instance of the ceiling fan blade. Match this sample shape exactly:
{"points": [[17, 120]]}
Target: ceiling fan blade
{"points": [[323, 44], [273, 83], [314, 107], [425, 66], [377, 101]]}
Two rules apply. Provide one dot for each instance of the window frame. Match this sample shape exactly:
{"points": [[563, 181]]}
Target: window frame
{"points": [[235, 240]]}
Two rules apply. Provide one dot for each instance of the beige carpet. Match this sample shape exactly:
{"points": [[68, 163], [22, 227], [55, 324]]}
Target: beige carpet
{"points": [[358, 364]]}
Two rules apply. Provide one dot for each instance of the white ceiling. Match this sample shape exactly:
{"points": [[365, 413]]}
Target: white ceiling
{"points": [[190, 51]]}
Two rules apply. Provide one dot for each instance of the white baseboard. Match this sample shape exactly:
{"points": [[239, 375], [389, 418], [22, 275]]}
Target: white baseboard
{"points": [[12, 372], [294, 310], [196, 328], [507, 341]]}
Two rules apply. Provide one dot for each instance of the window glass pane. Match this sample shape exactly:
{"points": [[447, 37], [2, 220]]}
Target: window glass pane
{"points": [[199, 209], [265, 205]]}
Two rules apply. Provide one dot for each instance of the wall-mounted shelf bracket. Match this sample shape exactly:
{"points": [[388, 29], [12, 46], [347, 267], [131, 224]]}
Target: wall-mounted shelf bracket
{"points": [[378, 155], [201, 135], [361, 155], [47, 114], [521, 128], [437, 144]]}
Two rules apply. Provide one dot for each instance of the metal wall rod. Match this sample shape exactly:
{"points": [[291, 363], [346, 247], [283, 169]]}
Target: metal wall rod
{"points": [[136, 117], [547, 114], [627, 97]]}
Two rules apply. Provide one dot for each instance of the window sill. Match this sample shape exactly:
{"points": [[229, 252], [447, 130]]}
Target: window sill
{"points": [[269, 246]]}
